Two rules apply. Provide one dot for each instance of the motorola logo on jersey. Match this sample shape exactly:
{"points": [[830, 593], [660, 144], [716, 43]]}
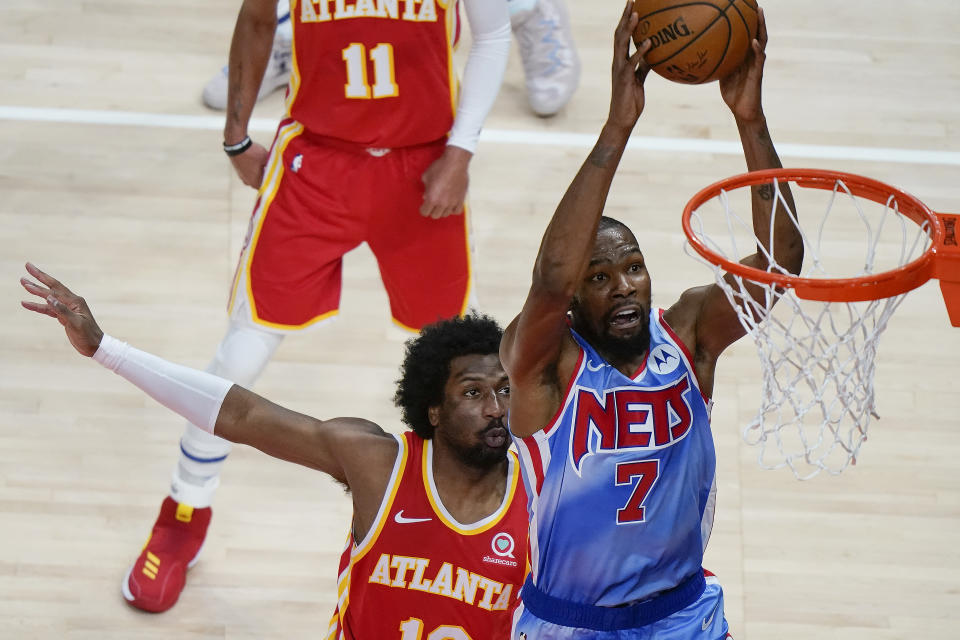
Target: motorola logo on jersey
{"points": [[630, 418], [663, 359]]}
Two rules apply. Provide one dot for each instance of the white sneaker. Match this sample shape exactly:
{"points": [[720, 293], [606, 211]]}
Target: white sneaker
{"points": [[276, 76], [550, 62]]}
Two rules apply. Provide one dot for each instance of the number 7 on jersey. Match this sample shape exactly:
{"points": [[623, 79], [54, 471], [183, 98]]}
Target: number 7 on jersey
{"points": [[646, 472], [384, 78]]}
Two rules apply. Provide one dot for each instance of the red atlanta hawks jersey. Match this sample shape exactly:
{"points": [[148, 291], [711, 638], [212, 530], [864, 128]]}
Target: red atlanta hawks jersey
{"points": [[378, 73], [421, 575]]}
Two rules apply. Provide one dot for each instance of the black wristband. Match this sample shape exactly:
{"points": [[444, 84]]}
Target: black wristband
{"points": [[238, 148]]}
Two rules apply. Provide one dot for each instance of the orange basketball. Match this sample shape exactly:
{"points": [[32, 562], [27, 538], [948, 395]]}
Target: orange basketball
{"points": [[696, 41]]}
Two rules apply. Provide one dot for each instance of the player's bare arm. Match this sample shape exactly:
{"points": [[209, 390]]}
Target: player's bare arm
{"points": [[445, 183], [249, 53], [446, 180], [537, 350], [703, 317], [355, 452]]}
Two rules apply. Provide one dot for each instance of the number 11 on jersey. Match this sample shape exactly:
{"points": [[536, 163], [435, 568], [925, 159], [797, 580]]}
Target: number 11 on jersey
{"points": [[384, 79]]}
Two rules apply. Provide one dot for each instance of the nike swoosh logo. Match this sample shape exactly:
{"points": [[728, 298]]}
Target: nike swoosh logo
{"points": [[399, 519], [594, 368], [707, 621]]}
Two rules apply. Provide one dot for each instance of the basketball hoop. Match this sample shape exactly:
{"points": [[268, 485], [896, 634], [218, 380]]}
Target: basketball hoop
{"points": [[817, 346]]}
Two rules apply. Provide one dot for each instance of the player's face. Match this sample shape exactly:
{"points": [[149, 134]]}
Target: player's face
{"points": [[471, 420], [611, 307]]}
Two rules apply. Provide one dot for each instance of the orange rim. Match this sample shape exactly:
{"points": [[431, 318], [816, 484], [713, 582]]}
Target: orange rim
{"points": [[857, 289]]}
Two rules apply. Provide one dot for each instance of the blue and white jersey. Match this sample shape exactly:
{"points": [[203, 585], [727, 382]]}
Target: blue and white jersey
{"points": [[622, 480]]}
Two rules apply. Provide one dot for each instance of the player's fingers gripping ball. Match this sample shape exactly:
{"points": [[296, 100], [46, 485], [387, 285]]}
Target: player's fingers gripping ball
{"points": [[696, 41]]}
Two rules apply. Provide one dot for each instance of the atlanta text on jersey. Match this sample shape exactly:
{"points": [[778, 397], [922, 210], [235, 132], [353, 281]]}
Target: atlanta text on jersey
{"points": [[394, 571], [413, 10]]}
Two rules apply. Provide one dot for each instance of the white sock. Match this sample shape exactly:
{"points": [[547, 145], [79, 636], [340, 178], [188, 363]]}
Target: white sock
{"points": [[241, 357], [518, 6], [284, 24]]}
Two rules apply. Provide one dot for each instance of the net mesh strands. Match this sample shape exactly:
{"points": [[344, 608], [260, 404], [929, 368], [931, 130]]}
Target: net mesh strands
{"points": [[817, 357]]}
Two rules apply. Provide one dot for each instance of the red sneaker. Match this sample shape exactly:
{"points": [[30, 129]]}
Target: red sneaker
{"points": [[155, 580]]}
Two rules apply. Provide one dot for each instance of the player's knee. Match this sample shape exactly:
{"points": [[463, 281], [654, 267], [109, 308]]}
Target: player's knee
{"points": [[199, 445], [243, 353]]}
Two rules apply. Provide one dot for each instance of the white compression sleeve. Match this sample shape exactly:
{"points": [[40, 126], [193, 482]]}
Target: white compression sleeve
{"points": [[490, 27], [195, 395]]}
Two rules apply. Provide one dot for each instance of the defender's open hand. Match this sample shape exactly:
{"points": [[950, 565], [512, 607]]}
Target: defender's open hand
{"points": [[70, 309]]}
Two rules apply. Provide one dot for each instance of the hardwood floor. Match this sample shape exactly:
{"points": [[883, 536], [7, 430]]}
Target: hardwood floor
{"points": [[111, 178]]}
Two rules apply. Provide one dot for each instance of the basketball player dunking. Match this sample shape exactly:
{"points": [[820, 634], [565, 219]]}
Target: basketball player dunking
{"points": [[410, 569], [611, 399]]}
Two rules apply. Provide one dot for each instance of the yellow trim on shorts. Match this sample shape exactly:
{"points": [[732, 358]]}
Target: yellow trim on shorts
{"points": [[469, 249], [290, 327], [403, 326], [284, 135], [273, 176]]}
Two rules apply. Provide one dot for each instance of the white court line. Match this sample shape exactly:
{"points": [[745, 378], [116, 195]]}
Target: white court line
{"points": [[496, 136]]}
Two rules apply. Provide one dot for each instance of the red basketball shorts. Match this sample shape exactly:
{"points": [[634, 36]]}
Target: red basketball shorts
{"points": [[321, 198]]}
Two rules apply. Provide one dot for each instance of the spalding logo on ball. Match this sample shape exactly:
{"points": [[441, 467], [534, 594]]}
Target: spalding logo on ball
{"points": [[696, 41]]}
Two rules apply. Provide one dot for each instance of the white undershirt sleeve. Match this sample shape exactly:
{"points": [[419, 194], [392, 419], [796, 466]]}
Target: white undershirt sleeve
{"points": [[490, 28], [195, 395]]}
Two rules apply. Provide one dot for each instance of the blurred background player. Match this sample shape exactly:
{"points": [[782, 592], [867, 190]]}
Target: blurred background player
{"points": [[551, 66], [612, 398], [374, 148], [449, 481]]}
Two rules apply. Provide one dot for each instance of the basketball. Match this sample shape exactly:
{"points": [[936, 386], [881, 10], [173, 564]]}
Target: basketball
{"points": [[696, 41]]}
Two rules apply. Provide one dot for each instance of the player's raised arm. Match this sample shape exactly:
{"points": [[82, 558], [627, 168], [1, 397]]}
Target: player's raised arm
{"points": [[537, 350], [349, 449], [716, 322]]}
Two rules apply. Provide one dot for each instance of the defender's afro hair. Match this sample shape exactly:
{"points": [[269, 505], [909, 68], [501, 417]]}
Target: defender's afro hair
{"points": [[426, 364]]}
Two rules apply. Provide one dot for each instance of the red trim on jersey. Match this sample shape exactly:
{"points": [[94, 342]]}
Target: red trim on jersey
{"points": [[673, 335], [686, 352], [533, 454], [531, 443], [642, 367], [566, 394]]}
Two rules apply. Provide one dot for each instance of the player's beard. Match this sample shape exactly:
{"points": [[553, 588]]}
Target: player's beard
{"points": [[627, 347], [620, 348], [482, 456]]}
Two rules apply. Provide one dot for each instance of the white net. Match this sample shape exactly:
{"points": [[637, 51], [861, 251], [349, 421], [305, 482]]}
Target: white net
{"points": [[818, 358]]}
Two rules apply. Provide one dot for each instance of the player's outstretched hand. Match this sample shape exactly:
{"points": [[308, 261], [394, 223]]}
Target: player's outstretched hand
{"points": [[70, 309], [629, 72], [445, 184], [251, 164], [741, 89]]}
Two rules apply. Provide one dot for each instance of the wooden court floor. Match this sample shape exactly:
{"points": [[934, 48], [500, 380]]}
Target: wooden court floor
{"points": [[104, 185]]}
